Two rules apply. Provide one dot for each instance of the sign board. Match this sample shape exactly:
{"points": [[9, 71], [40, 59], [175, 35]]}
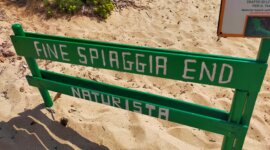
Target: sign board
{"points": [[244, 18], [171, 64], [244, 75]]}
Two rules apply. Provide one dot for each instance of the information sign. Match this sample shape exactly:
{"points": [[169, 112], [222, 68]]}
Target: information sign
{"points": [[244, 18]]}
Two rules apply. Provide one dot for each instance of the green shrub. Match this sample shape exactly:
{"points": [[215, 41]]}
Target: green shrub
{"points": [[102, 8], [46, 3], [49, 12], [69, 6]]}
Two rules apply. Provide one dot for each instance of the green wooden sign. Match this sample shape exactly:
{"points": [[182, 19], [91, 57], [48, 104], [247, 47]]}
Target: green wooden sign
{"points": [[244, 75], [207, 69]]}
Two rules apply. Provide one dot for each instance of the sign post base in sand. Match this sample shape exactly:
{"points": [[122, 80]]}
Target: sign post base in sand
{"points": [[244, 75]]}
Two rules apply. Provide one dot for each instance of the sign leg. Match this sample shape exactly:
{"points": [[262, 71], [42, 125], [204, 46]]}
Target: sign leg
{"points": [[36, 73], [235, 116], [32, 64], [262, 57], [247, 116]]}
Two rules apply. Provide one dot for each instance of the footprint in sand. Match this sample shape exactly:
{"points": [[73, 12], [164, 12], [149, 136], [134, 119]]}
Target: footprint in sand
{"points": [[135, 127], [103, 110], [187, 135], [256, 132], [165, 41], [200, 99]]}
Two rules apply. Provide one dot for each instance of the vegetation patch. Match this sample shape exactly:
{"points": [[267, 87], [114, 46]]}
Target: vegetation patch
{"points": [[55, 8], [101, 8]]}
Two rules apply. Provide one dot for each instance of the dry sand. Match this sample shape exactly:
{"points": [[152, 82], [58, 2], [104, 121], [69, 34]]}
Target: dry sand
{"points": [[175, 24]]}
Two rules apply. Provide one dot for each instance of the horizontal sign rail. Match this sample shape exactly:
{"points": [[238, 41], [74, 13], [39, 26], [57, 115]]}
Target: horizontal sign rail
{"points": [[199, 68], [103, 93], [125, 92], [171, 51]]}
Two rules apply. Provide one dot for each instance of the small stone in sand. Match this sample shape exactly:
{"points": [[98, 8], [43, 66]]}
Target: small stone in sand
{"points": [[71, 110], [1, 42], [21, 89], [2, 59], [8, 53], [32, 123], [64, 121], [19, 58]]}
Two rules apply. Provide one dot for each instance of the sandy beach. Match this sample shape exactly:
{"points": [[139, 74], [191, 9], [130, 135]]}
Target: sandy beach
{"points": [[175, 24]]}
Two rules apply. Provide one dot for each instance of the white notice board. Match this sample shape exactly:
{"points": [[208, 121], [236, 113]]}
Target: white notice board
{"points": [[235, 15]]}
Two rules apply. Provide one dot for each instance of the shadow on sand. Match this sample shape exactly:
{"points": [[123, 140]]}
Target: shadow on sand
{"points": [[34, 130]]}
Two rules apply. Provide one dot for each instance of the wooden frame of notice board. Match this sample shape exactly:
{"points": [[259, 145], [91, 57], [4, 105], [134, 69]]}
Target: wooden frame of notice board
{"points": [[247, 17]]}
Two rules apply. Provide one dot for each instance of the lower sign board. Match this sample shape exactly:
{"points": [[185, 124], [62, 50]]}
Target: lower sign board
{"points": [[202, 117], [244, 18]]}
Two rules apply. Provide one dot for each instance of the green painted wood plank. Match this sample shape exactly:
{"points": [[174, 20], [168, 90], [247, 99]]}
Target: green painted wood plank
{"points": [[141, 106], [238, 105], [264, 51], [125, 92], [224, 72], [33, 66], [154, 49], [262, 57], [235, 116]]}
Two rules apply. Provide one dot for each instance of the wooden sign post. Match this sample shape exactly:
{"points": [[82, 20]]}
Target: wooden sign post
{"points": [[244, 75]]}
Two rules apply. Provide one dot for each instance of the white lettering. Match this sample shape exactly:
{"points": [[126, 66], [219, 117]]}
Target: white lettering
{"points": [[44, 51], [53, 51], [84, 60], [76, 92], [204, 67], [163, 112], [138, 106], [103, 58], [92, 54], [63, 53], [130, 63], [150, 108], [116, 102], [222, 73], [127, 104], [37, 49], [96, 96], [139, 64], [186, 69], [106, 99], [114, 59], [103, 100], [86, 94], [164, 65], [151, 63]]}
